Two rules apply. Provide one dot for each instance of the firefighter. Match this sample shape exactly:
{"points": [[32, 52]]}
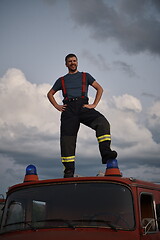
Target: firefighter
{"points": [[75, 110]]}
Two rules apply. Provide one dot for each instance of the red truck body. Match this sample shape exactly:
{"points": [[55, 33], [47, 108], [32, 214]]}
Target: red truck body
{"points": [[91, 208]]}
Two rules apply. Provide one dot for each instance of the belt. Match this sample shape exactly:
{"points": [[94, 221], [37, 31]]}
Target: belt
{"points": [[75, 99]]}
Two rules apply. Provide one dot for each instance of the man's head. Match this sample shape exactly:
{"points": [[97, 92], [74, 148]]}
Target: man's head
{"points": [[71, 62]]}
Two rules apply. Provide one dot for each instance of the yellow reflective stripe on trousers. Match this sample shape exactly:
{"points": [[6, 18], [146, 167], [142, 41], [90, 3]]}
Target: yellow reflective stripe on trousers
{"points": [[68, 159], [103, 138]]}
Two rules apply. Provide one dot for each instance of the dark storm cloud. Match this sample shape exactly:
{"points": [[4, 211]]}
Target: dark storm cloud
{"points": [[133, 162], [153, 124], [156, 133], [135, 25], [31, 147]]}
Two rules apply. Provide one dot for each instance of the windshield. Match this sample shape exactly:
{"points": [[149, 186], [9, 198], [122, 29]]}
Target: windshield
{"points": [[81, 204]]}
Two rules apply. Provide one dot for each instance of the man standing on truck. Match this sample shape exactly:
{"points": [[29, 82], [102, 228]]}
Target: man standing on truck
{"points": [[75, 110]]}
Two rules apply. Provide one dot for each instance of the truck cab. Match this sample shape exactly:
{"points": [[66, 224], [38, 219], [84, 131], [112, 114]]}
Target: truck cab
{"points": [[96, 208]]}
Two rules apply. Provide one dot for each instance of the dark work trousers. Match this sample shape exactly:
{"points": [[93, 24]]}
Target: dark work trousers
{"points": [[71, 118]]}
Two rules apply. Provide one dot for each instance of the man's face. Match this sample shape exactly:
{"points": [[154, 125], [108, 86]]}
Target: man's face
{"points": [[72, 64]]}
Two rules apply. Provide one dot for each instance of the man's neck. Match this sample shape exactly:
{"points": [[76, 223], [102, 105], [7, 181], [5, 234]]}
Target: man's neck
{"points": [[71, 72]]}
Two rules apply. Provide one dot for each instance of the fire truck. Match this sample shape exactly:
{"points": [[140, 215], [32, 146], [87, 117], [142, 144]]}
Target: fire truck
{"points": [[103, 207]]}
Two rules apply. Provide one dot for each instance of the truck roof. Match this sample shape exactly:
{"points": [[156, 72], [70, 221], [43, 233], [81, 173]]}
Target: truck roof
{"points": [[127, 181]]}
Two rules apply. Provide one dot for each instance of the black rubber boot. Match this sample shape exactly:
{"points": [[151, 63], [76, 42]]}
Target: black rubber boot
{"points": [[69, 169], [68, 174], [106, 151], [108, 156]]}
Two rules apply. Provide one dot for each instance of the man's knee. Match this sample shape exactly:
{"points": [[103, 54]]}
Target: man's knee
{"points": [[101, 126]]}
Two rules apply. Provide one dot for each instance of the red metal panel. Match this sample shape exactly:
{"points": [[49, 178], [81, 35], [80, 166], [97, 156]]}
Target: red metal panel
{"points": [[75, 234]]}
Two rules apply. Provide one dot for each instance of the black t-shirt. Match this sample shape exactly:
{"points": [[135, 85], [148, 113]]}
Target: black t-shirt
{"points": [[73, 84]]}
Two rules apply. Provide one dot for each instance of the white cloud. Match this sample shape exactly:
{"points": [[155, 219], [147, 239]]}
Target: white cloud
{"points": [[25, 103], [130, 135], [127, 102]]}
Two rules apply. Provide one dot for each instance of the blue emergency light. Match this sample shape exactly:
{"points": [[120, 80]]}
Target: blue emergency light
{"points": [[112, 168], [31, 174], [31, 170], [112, 163]]}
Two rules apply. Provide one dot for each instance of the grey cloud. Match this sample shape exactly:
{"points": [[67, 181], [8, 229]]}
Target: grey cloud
{"points": [[100, 63], [124, 67], [144, 94], [157, 4], [50, 2], [150, 96], [135, 8], [133, 162], [140, 168], [156, 133], [153, 121], [30, 146], [124, 144], [143, 172], [98, 60], [154, 128], [135, 25]]}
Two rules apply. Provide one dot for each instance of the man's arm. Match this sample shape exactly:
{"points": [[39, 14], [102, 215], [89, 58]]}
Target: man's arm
{"points": [[51, 98], [98, 96]]}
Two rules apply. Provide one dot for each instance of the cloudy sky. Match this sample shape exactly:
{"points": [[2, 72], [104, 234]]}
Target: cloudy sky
{"points": [[117, 42]]}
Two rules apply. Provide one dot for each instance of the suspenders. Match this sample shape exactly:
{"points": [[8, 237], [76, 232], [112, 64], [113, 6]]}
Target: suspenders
{"points": [[64, 88], [83, 86]]}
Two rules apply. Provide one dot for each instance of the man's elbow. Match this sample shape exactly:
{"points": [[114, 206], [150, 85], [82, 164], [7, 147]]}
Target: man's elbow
{"points": [[101, 89], [48, 95]]}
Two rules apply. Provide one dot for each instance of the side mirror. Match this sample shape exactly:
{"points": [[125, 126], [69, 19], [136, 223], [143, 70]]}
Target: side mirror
{"points": [[149, 225]]}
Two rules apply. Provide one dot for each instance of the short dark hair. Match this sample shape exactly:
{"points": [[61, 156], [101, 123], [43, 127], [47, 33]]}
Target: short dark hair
{"points": [[69, 56]]}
